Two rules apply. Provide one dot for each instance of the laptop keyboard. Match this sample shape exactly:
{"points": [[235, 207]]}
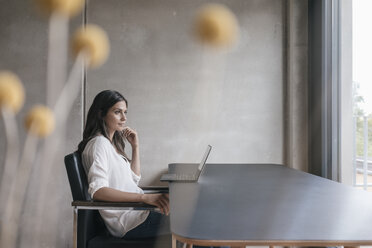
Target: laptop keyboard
{"points": [[179, 177], [185, 177]]}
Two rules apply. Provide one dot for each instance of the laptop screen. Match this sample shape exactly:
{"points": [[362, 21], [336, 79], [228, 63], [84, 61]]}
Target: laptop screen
{"points": [[204, 159]]}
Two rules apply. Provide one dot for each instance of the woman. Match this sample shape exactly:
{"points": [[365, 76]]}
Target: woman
{"points": [[112, 176]]}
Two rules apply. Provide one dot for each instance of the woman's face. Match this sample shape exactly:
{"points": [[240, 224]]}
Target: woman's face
{"points": [[116, 117]]}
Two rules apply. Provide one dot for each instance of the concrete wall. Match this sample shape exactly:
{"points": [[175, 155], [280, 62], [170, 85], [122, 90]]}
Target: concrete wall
{"points": [[182, 96]]}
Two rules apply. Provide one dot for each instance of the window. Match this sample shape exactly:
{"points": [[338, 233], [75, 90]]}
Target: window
{"points": [[362, 93]]}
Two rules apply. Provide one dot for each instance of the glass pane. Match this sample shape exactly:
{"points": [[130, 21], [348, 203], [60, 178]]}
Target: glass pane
{"points": [[362, 93]]}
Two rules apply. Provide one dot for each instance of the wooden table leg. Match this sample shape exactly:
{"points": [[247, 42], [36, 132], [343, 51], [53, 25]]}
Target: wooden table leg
{"points": [[174, 242]]}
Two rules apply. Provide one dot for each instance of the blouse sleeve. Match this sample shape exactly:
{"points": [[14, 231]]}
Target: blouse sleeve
{"points": [[135, 177], [98, 172]]}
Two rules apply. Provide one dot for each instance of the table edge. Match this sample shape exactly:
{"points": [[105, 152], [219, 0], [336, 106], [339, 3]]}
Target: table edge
{"points": [[204, 242]]}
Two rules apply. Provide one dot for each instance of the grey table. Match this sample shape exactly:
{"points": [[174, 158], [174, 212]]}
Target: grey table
{"points": [[267, 204]]}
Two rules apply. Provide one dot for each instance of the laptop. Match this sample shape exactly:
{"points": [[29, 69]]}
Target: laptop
{"points": [[188, 177]]}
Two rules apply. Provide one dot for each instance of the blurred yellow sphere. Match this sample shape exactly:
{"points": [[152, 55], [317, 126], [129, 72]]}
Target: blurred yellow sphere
{"points": [[216, 25], [67, 8], [40, 121], [93, 40], [12, 93]]}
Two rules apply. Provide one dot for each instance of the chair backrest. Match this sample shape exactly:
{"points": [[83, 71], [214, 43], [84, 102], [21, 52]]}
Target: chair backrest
{"points": [[77, 177], [90, 223]]}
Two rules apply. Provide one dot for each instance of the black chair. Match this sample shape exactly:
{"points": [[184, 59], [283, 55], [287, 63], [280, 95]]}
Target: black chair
{"points": [[89, 228]]}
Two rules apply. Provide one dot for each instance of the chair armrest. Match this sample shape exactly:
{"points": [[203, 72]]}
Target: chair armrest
{"points": [[100, 205], [155, 189]]}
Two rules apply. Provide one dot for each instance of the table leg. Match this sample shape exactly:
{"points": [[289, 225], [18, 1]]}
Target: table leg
{"points": [[174, 242], [237, 246], [75, 227]]}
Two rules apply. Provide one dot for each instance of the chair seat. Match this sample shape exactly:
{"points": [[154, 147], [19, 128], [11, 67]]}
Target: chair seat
{"points": [[103, 241]]}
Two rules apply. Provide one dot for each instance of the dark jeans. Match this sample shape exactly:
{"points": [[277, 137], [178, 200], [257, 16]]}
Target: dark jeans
{"points": [[156, 224]]}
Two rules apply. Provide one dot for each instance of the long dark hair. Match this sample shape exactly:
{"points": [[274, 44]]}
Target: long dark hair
{"points": [[95, 124]]}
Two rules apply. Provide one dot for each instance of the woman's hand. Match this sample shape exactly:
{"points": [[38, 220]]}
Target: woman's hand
{"points": [[132, 136], [159, 200]]}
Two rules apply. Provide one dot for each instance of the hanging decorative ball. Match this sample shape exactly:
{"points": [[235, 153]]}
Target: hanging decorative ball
{"points": [[216, 25], [40, 121], [12, 93], [68, 8], [92, 40]]}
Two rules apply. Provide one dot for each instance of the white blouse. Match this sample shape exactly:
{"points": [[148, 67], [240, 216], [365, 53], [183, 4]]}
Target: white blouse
{"points": [[106, 168]]}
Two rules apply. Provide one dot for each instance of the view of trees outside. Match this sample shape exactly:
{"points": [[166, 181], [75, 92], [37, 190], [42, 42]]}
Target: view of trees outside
{"points": [[362, 81], [359, 114]]}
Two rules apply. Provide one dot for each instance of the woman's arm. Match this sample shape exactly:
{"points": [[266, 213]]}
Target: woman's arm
{"points": [[132, 137], [135, 164], [112, 195]]}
